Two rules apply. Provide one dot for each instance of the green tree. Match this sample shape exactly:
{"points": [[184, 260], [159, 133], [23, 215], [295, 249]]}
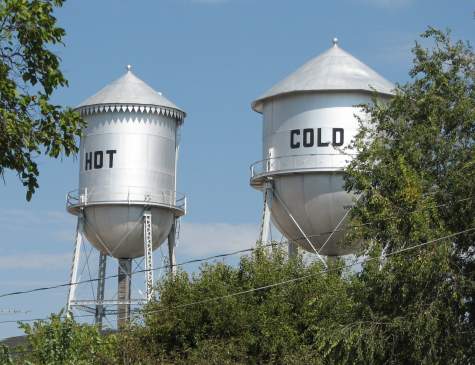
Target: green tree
{"points": [[5, 357], [63, 341], [416, 178], [287, 324], [30, 125]]}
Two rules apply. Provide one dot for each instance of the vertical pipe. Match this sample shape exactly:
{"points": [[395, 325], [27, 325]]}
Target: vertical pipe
{"points": [[100, 290], [124, 281], [171, 248]]}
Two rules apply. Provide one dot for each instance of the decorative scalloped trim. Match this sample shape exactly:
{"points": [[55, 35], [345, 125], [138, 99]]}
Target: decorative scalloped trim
{"points": [[152, 109]]}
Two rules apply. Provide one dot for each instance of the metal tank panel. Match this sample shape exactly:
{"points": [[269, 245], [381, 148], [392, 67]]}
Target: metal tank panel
{"points": [[117, 230], [318, 202], [141, 155], [309, 119], [128, 156], [310, 130]]}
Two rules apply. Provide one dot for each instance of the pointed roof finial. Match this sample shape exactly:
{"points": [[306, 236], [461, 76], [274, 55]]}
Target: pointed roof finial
{"points": [[129, 68], [335, 41]]}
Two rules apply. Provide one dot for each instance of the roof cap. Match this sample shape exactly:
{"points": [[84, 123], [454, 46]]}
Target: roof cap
{"points": [[333, 70], [129, 90]]}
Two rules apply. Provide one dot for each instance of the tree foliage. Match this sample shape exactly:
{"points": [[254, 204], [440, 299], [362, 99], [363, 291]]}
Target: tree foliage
{"points": [[277, 325], [30, 125], [61, 341], [416, 178], [417, 183]]}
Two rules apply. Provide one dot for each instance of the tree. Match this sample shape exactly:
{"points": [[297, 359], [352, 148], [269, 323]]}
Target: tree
{"points": [[416, 178], [63, 341], [277, 325], [5, 357], [30, 125]]}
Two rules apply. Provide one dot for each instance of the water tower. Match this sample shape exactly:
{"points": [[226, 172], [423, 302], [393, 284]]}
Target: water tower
{"points": [[308, 121], [127, 203]]}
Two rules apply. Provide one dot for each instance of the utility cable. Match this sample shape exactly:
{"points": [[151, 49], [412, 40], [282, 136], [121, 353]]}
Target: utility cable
{"points": [[193, 261], [299, 278]]}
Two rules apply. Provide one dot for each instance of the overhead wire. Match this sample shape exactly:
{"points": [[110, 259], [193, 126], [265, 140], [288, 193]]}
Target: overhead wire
{"points": [[213, 257], [327, 270], [295, 279]]}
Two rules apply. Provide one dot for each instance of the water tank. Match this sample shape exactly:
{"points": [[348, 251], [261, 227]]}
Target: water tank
{"points": [[308, 121], [128, 158]]}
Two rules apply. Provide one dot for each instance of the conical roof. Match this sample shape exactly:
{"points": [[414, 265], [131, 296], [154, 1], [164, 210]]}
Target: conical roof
{"points": [[333, 70], [128, 90]]}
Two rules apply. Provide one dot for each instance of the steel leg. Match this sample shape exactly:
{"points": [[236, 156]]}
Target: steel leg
{"points": [[266, 222], [100, 290], [148, 253], [124, 281], [75, 265], [171, 248]]}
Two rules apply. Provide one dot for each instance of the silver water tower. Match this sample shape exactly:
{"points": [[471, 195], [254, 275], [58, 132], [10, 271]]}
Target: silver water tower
{"points": [[127, 203], [309, 119]]}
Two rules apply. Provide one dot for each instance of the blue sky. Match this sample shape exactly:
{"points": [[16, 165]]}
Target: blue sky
{"points": [[212, 58]]}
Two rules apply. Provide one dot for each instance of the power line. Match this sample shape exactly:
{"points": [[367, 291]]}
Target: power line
{"points": [[135, 272], [13, 311], [200, 259], [311, 275], [299, 278]]}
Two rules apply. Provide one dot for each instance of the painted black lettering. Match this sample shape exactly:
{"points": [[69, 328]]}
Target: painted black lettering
{"points": [[308, 137], [293, 133], [319, 139], [88, 158], [341, 140], [98, 159], [111, 157]]}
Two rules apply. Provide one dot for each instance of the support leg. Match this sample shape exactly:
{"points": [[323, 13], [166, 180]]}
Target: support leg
{"points": [[124, 281], [75, 265], [171, 248], [148, 253], [266, 226], [100, 290]]}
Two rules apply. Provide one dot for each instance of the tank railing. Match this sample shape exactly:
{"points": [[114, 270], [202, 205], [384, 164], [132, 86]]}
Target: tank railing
{"points": [[314, 161], [127, 195]]}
